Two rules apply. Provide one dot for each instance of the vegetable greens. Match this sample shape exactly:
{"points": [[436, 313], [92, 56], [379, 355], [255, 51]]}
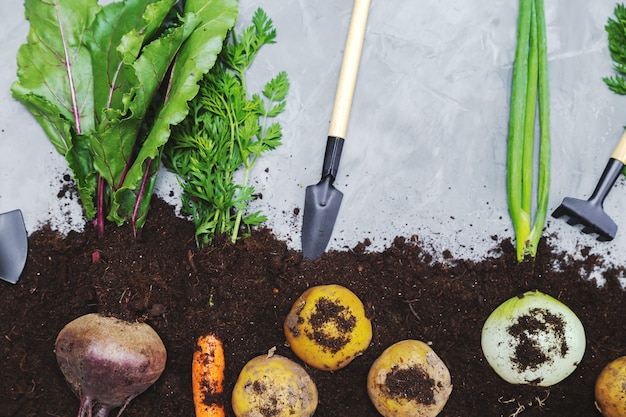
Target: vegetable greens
{"points": [[226, 130], [107, 83], [616, 30], [529, 89]]}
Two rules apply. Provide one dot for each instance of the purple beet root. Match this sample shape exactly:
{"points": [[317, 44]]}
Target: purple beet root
{"points": [[108, 362]]}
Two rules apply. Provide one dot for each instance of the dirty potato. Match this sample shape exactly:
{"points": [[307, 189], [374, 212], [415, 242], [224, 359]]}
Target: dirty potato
{"points": [[610, 389], [274, 385], [409, 380], [327, 327]]}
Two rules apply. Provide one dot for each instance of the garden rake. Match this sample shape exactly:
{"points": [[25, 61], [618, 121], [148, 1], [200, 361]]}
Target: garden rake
{"points": [[590, 213]]}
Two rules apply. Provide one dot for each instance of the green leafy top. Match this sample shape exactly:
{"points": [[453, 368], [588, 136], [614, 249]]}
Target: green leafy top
{"points": [[225, 130], [107, 83], [616, 29]]}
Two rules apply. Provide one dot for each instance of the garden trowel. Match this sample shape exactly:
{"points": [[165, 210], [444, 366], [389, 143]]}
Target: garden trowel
{"points": [[13, 245], [590, 213], [322, 201]]}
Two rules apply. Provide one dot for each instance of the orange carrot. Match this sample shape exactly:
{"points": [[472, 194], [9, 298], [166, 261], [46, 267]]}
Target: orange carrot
{"points": [[207, 377]]}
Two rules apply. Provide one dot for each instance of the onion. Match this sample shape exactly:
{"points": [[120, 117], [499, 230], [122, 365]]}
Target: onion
{"points": [[533, 339], [108, 362]]}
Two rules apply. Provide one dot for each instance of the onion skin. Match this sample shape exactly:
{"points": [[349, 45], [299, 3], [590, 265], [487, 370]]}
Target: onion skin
{"points": [[108, 362]]}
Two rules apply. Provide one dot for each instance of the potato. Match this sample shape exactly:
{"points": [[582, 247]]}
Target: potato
{"points": [[327, 327], [409, 380], [274, 385], [610, 389]]}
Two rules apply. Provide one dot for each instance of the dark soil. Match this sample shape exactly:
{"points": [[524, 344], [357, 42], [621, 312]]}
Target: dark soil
{"points": [[243, 292]]}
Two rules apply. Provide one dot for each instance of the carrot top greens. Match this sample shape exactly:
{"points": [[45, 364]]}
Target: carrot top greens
{"points": [[227, 130], [616, 30]]}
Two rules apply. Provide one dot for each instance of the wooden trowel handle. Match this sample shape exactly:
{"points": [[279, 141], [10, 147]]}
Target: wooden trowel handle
{"points": [[349, 69], [620, 150]]}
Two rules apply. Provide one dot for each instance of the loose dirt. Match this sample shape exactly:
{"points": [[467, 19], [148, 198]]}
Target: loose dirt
{"points": [[244, 291]]}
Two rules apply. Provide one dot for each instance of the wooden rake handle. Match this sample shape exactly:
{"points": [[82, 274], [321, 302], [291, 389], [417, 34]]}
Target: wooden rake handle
{"points": [[620, 150], [349, 70]]}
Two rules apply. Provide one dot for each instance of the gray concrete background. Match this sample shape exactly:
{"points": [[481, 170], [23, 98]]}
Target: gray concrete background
{"points": [[425, 152]]}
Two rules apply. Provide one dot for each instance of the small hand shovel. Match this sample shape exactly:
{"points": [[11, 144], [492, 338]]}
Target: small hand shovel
{"points": [[590, 213], [322, 201], [13, 245]]}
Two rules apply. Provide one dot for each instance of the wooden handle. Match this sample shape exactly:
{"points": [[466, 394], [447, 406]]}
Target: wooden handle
{"points": [[620, 150], [349, 69]]}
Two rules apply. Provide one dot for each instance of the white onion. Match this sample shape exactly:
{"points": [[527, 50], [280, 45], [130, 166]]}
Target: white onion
{"points": [[533, 339]]}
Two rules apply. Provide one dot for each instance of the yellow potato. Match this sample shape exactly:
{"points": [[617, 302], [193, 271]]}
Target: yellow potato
{"points": [[611, 389], [274, 385], [327, 327], [409, 380]]}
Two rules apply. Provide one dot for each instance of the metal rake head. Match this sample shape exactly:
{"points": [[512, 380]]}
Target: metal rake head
{"points": [[590, 215]]}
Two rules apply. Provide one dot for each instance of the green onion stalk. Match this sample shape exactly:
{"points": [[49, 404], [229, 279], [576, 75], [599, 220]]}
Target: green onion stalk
{"points": [[529, 96]]}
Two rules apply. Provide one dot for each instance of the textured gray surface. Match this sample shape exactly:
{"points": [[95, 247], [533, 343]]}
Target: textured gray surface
{"points": [[425, 152]]}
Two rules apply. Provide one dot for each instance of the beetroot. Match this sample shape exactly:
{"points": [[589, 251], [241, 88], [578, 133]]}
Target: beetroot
{"points": [[108, 362]]}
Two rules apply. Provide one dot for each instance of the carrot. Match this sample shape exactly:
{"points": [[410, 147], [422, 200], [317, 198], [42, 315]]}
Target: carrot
{"points": [[207, 377]]}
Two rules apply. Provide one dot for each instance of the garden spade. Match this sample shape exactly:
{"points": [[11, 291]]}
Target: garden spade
{"points": [[13, 245], [322, 201], [590, 213]]}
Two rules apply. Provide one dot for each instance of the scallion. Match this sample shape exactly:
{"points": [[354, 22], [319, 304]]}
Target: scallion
{"points": [[529, 91]]}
